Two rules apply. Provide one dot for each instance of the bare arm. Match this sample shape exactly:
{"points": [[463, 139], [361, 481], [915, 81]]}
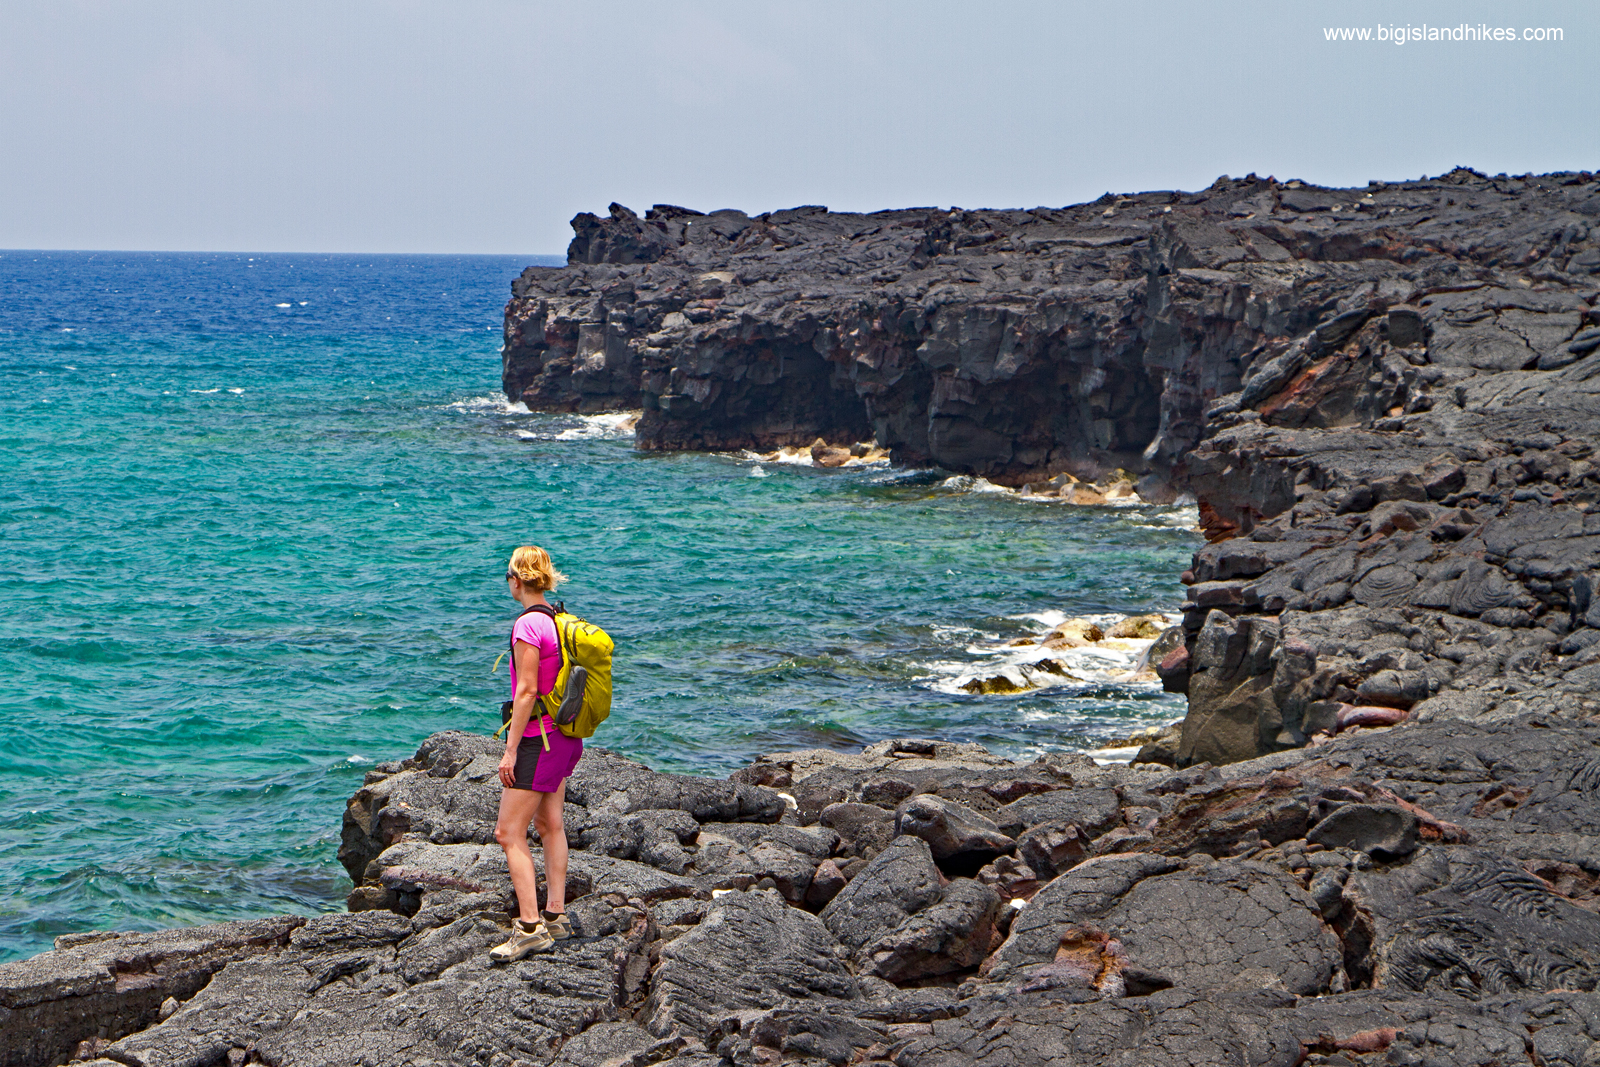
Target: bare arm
{"points": [[523, 704]]}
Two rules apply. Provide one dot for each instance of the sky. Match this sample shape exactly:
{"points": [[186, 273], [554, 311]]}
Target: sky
{"points": [[483, 126]]}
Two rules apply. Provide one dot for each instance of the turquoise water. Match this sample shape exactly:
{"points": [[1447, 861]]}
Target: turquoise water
{"points": [[247, 550]]}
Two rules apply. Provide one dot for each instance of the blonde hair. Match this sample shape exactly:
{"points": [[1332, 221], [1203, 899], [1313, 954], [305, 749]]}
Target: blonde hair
{"points": [[532, 564]]}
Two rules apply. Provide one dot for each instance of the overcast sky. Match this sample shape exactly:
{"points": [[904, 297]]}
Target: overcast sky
{"points": [[484, 125]]}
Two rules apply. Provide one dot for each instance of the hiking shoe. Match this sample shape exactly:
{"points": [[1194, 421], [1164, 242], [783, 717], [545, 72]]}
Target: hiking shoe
{"points": [[525, 940], [557, 925]]}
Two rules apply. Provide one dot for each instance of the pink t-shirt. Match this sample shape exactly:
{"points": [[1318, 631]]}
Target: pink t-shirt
{"points": [[538, 630]]}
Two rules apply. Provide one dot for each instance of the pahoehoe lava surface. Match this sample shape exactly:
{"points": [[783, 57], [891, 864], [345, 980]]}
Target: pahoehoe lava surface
{"points": [[1421, 894]]}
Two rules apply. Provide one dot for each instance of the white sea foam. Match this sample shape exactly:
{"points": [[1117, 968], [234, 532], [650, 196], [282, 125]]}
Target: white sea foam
{"points": [[1106, 756], [941, 632], [1174, 517], [789, 457], [493, 404], [1049, 620], [607, 427], [801, 457], [969, 483], [895, 475], [758, 471], [611, 425], [68, 366], [1029, 667], [1056, 501], [205, 392], [235, 392]]}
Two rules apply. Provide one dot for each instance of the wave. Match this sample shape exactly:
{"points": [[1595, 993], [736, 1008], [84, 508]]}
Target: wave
{"points": [[612, 425], [493, 404], [908, 476], [1181, 514], [972, 483], [549, 426], [784, 457], [801, 457]]}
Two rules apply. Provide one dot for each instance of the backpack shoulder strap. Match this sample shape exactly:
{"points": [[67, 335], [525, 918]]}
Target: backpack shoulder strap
{"points": [[542, 609]]}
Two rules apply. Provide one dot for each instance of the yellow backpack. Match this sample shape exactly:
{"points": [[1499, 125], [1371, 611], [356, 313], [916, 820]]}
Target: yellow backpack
{"points": [[580, 699]]}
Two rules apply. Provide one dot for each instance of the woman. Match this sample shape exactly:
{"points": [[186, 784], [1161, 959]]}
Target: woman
{"points": [[536, 763]]}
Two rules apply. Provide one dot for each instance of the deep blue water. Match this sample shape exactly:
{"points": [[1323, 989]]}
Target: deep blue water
{"points": [[254, 514]]}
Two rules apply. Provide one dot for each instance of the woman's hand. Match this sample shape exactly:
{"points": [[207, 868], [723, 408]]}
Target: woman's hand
{"points": [[522, 708]]}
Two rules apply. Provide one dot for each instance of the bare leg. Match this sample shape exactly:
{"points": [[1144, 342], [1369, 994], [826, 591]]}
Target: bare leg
{"points": [[517, 808], [553, 836]]}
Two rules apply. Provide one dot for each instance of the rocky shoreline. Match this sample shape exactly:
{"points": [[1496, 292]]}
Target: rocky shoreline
{"points": [[1373, 839], [1426, 893]]}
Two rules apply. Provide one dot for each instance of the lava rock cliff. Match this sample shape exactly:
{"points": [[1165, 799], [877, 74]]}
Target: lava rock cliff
{"points": [[1386, 401]]}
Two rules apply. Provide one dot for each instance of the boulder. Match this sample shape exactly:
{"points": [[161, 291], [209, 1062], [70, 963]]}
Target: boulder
{"points": [[1233, 712], [1143, 627], [953, 934], [1093, 809], [898, 883], [1011, 878], [960, 839], [752, 950], [730, 864], [1384, 831], [654, 837], [605, 782], [817, 842], [826, 455], [863, 829], [1205, 926], [605, 1043], [1052, 850], [797, 1035], [826, 883], [111, 984]]}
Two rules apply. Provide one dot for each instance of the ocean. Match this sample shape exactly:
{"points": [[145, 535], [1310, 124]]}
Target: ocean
{"points": [[254, 517]]}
